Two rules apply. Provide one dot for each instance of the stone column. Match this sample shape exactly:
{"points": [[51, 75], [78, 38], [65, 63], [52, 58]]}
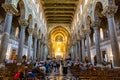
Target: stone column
{"points": [[30, 31], [6, 34], [109, 12], [45, 52], [76, 53], [35, 47], [39, 44], [79, 49], [23, 23], [41, 53], [72, 52], [97, 41], [83, 48], [87, 33]]}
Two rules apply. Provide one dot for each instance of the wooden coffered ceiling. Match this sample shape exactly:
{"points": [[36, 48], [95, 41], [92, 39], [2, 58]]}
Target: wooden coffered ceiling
{"points": [[59, 11]]}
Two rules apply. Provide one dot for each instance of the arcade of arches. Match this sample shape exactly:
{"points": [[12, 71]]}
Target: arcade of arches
{"points": [[60, 29]]}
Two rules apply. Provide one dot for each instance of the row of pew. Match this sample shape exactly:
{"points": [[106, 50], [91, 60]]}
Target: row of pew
{"points": [[96, 73]]}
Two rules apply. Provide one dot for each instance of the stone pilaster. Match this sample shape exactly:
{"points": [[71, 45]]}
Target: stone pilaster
{"points": [[87, 33], [109, 12], [6, 34], [30, 31], [95, 26], [23, 23]]}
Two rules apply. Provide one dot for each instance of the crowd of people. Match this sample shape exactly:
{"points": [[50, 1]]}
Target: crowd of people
{"points": [[49, 66]]}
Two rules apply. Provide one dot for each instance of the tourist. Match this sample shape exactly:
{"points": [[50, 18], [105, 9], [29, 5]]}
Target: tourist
{"points": [[64, 67]]}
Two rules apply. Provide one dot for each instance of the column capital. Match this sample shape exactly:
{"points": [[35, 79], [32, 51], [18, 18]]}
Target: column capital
{"points": [[82, 36], [23, 22], [39, 33], [30, 31], [10, 8], [95, 24], [35, 34], [73, 44], [38, 36], [110, 10], [78, 38], [42, 42], [87, 31]]}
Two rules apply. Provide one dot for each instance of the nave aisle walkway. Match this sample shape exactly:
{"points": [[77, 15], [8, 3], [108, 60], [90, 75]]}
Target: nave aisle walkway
{"points": [[58, 75]]}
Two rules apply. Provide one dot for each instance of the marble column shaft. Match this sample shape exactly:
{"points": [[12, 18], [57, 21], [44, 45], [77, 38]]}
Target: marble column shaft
{"points": [[114, 42], [30, 31], [97, 44], [109, 11], [5, 36], [41, 53], [21, 44], [76, 51], [83, 50], [72, 53], [39, 44], [88, 46], [79, 47], [35, 48], [23, 23], [45, 53]]}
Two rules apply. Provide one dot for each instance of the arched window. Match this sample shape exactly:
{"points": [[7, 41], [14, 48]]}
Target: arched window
{"points": [[101, 34], [17, 32]]}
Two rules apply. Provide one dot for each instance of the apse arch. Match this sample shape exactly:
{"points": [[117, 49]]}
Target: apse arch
{"points": [[59, 39]]}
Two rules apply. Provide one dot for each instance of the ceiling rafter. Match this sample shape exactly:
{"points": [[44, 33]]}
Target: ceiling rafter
{"points": [[59, 11]]}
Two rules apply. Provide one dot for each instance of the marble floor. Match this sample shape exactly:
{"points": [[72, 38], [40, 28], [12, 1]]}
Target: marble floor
{"points": [[58, 75]]}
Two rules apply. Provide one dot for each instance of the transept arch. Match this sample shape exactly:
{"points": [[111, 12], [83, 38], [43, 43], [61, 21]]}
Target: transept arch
{"points": [[59, 38]]}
